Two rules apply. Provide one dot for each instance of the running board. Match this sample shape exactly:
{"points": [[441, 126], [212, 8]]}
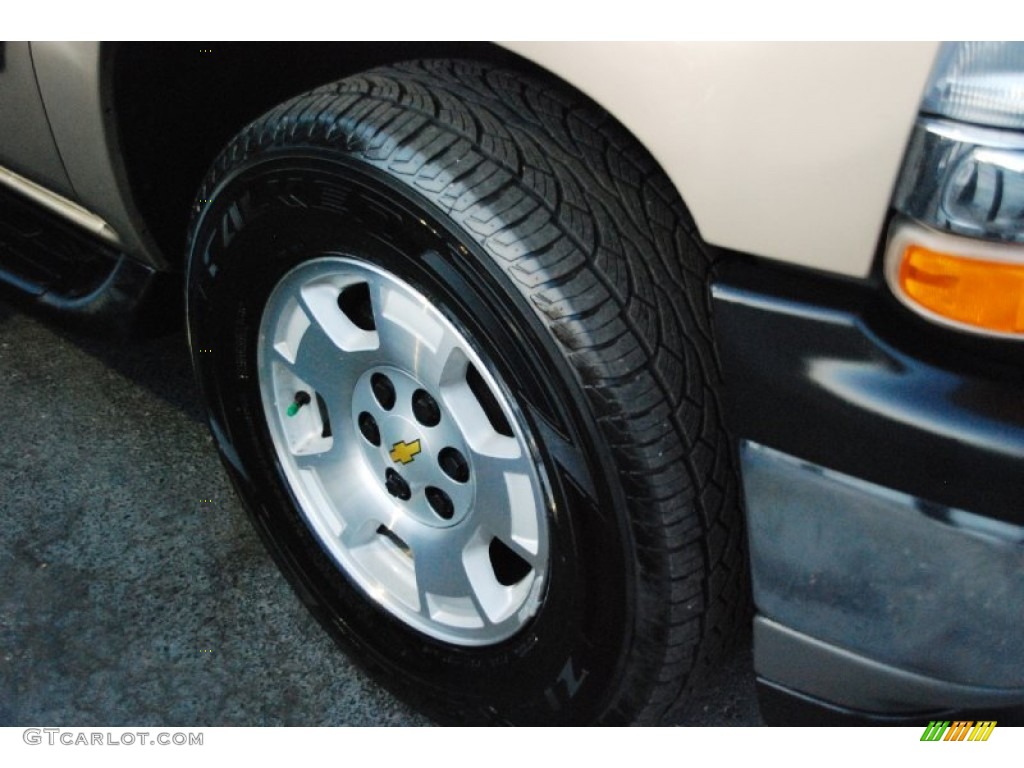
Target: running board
{"points": [[66, 270], [58, 204]]}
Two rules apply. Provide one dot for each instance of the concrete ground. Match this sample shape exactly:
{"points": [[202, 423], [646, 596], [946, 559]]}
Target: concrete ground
{"points": [[134, 591]]}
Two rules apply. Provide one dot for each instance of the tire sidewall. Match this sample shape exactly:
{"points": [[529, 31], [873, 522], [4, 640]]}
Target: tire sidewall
{"points": [[269, 214]]}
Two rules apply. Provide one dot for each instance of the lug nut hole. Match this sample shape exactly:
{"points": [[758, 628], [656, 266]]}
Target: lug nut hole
{"points": [[454, 464], [440, 502], [396, 485], [383, 390], [425, 408], [368, 428]]}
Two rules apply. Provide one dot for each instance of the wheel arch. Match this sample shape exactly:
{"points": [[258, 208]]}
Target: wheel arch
{"points": [[164, 111], [727, 123]]}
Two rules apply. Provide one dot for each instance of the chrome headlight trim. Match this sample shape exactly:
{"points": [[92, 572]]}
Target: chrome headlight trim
{"points": [[964, 180]]}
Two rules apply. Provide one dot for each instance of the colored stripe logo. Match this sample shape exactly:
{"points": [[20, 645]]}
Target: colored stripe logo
{"points": [[959, 730]]}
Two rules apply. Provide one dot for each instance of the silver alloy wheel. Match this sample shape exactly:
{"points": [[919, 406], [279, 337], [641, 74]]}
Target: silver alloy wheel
{"points": [[407, 458]]}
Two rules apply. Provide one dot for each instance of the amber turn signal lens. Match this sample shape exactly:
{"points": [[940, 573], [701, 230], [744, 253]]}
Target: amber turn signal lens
{"points": [[988, 295]]}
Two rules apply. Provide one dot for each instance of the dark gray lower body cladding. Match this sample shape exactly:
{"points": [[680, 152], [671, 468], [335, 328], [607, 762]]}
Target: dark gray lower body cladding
{"points": [[876, 601]]}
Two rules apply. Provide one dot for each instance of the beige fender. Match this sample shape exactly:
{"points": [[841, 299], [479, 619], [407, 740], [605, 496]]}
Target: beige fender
{"points": [[785, 150]]}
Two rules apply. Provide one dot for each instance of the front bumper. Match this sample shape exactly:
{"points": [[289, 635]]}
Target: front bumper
{"points": [[884, 496]]}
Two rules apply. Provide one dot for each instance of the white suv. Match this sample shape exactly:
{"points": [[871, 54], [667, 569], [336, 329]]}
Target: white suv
{"points": [[528, 360]]}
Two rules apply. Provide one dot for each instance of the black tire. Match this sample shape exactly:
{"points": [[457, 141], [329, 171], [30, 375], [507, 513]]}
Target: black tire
{"points": [[556, 247]]}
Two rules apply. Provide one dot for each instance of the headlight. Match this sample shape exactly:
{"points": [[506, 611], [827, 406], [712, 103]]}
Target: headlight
{"points": [[963, 179]]}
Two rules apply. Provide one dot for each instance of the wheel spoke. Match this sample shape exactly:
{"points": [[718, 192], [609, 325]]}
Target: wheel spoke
{"points": [[362, 514], [441, 575], [317, 359], [474, 425], [506, 507], [411, 331], [445, 590], [359, 532], [321, 460], [333, 372]]}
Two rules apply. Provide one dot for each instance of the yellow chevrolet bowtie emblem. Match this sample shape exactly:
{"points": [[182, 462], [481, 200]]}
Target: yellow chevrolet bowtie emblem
{"points": [[405, 452]]}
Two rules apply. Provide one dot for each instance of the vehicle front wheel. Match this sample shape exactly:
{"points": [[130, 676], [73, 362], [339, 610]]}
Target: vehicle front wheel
{"points": [[451, 325]]}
